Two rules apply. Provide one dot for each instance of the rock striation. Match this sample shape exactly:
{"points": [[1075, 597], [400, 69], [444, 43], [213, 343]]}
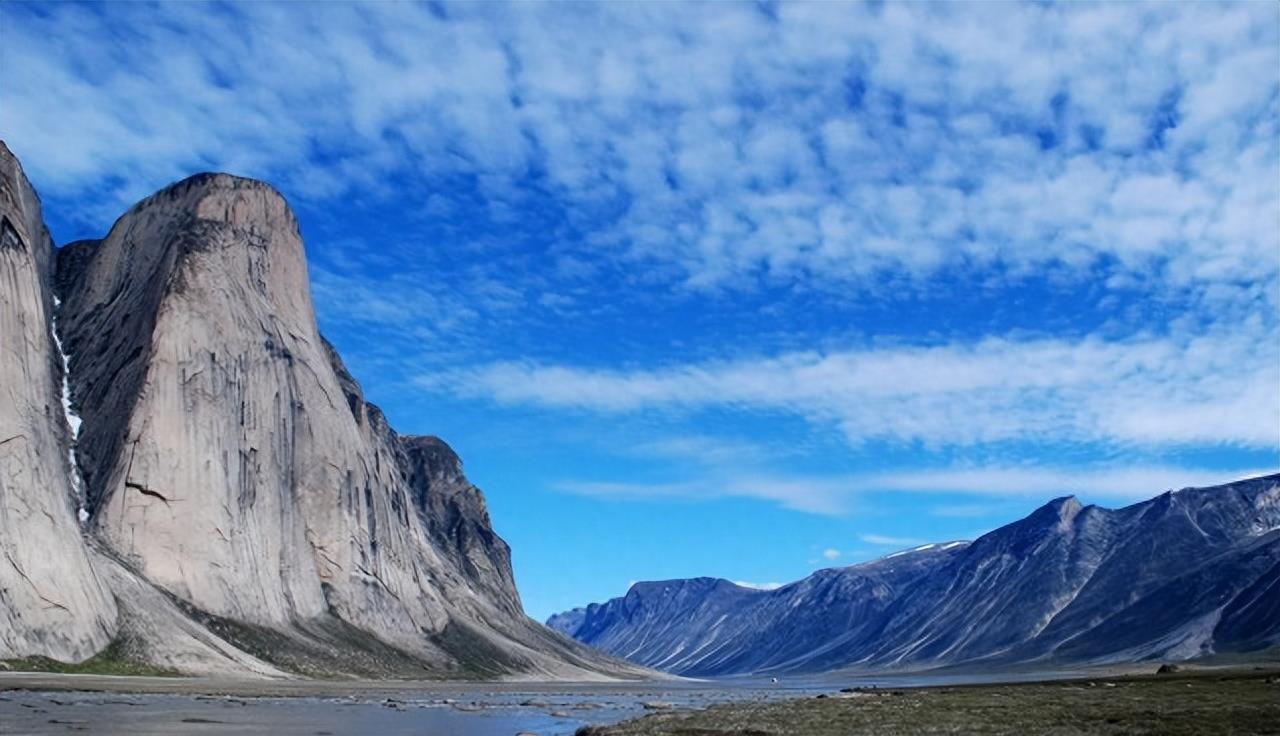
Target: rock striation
{"points": [[52, 603], [1181, 575], [250, 510]]}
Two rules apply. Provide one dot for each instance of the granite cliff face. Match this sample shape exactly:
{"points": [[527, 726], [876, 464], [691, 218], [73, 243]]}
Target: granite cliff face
{"points": [[51, 600], [238, 491], [454, 514], [1184, 574]]}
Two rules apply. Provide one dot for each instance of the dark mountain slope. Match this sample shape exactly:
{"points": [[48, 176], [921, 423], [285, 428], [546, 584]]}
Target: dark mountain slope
{"points": [[1180, 575]]}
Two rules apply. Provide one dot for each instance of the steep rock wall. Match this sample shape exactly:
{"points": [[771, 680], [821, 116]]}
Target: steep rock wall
{"points": [[231, 460], [222, 461], [188, 471], [51, 601]]}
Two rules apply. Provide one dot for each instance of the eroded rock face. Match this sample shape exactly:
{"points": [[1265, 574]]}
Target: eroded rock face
{"points": [[231, 461], [457, 520], [232, 503], [223, 458], [51, 601]]}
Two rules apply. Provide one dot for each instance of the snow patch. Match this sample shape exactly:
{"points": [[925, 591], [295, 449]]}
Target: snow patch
{"points": [[925, 548], [757, 586], [72, 418]]}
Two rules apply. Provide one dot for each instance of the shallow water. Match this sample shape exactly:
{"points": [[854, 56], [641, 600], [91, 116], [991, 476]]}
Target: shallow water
{"points": [[547, 709], [451, 714]]}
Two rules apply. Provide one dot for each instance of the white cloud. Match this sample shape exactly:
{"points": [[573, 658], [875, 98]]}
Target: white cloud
{"points": [[860, 150], [1215, 389], [964, 510], [886, 541], [701, 449], [837, 495], [1107, 483], [831, 554], [832, 496], [836, 145]]}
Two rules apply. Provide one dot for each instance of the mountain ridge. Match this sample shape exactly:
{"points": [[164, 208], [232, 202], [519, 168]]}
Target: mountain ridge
{"points": [[1183, 574]]}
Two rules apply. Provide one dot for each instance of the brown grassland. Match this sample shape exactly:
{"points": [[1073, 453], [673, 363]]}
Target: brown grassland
{"points": [[1242, 701]]}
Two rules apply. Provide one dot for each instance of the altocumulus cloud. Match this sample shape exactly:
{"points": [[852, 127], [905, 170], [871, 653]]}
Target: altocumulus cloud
{"points": [[849, 151], [721, 143]]}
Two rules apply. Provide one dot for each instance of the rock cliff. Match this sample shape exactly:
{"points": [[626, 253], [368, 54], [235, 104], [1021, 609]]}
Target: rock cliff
{"points": [[242, 494], [51, 601]]}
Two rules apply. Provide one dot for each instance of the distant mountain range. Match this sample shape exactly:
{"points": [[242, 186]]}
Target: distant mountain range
{"points": [[1181, 575]]}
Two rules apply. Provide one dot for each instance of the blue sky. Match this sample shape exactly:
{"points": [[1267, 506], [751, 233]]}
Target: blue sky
{"points": [[732, 289]]}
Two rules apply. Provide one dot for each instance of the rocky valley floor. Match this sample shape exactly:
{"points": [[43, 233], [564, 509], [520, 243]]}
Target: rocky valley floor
{"points": [[1242, 699]]}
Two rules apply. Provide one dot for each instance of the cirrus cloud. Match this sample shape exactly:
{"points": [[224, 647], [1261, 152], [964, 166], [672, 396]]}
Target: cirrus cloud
{"points": [[1216, 389]]}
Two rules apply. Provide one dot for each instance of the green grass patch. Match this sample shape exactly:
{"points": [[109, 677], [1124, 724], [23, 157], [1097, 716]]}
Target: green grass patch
{"points": [[114, 659]]}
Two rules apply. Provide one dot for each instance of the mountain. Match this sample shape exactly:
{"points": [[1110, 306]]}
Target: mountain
{"points": [[230, 501], [1181, 575]]}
